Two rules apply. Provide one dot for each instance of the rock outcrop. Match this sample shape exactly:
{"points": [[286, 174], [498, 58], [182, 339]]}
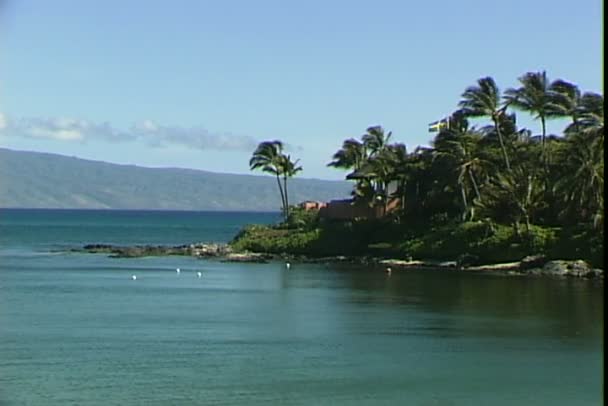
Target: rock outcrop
{"points": [[531, 265], [577, 268], [135, 251]]}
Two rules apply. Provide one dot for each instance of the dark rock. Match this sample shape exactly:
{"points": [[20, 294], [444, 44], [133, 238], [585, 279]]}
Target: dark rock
{"points": [[532, 261], [200, 249], [209, 250], [577, 267], [466, 259]]}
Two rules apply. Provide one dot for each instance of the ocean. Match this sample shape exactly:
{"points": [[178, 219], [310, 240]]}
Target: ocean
{"points": [[76, 329]]}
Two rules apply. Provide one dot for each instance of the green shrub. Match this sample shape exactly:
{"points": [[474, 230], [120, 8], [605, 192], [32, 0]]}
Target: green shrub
{"points": [[480, 242], [302, 219], [579, 242], [471, 242]]}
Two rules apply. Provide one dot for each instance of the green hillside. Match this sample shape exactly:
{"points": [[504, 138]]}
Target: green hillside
{"points": [[40, 180]]}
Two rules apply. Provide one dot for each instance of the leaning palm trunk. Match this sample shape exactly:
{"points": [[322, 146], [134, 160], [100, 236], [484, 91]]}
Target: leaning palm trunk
{"points": [[543, 142], [283, 204], [474, 183], [543, 125], [286, 201], [501, 141], [465, 203]]}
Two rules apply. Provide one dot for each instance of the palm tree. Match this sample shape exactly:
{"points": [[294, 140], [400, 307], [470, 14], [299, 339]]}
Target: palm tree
{"points": [[582, 182], [351, 156], [288, 169], [268, 157], [401, 172], [418, 188], [517, 194], [484, 100], [591, 119], [566, 100], [461, 152], [591, 111], [535, 96], [375, 140], [381, 169], [370, 160]]}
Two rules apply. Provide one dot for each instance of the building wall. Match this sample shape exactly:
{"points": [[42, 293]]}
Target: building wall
{"points": [[311, 205]]}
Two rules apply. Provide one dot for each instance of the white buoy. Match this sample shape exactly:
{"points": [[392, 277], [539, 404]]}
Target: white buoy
{"points": [[178, 270], [199, 274], [287, 265], [134, 277], [388, 271]]}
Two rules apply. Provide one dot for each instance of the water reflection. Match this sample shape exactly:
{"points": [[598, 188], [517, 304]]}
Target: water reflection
{"points": [[479, 304]]}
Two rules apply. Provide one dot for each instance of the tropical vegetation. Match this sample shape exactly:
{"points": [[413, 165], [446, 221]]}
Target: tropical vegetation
{"points": [[485, 185]]}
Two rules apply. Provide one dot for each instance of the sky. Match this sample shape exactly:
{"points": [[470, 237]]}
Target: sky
{"points": [[198, 84]]}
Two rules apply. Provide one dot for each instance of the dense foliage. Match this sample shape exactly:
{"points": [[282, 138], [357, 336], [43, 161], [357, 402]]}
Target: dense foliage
{"points": [[492, 190]]}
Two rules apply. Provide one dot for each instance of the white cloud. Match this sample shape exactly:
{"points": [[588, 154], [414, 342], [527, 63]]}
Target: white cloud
{"points": [[55, 133], [151, 133], [196, 137]]}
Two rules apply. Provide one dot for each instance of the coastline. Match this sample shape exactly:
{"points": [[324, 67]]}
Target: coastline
{"points": [[533, 266]]}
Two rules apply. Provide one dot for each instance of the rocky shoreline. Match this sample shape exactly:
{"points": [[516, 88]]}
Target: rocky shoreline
{"points": [[533, 265], [136, 251]]}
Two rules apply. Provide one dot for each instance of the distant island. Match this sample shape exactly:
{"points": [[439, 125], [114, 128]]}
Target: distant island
{"points": [[41, 180]]}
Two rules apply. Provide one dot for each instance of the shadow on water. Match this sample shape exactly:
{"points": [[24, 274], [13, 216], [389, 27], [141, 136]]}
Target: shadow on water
{"points": [[567, 306]]}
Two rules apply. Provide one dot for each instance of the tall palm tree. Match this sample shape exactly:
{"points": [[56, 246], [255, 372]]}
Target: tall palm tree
{"points": [[419, 183], [591, 110], [536, 97], [518, 194], [461, 152], [401, 172], [582, 182], [375, 140], [268, 157], [566, 100], [370, 160], [591, 118], [288, 169], [483, 100], [351, 156], [381, 169]]}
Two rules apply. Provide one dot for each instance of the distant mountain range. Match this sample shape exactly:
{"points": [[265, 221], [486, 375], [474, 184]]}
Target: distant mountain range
{"points": [[41, 180]]}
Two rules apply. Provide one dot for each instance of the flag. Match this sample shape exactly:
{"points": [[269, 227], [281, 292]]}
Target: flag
{"points": [[439, 125]]}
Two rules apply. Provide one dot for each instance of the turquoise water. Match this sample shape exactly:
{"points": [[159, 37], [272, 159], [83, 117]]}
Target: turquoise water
{"points": [[57, 229], [75, 329]]}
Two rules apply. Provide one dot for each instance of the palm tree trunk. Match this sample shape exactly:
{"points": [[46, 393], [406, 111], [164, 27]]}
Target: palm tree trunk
{"points": [[474, 182], [286, 196], [543, 124], [384, 192], [402, 203], [527, 218], [517, 229], [465, 204], [502, 143], [282, 195]]}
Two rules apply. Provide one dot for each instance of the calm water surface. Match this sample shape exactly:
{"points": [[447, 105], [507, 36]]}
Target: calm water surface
{"points": [[75, 329]]}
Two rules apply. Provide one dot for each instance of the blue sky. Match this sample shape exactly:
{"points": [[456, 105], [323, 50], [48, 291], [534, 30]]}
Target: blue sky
{"points": [[197, 84]]}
